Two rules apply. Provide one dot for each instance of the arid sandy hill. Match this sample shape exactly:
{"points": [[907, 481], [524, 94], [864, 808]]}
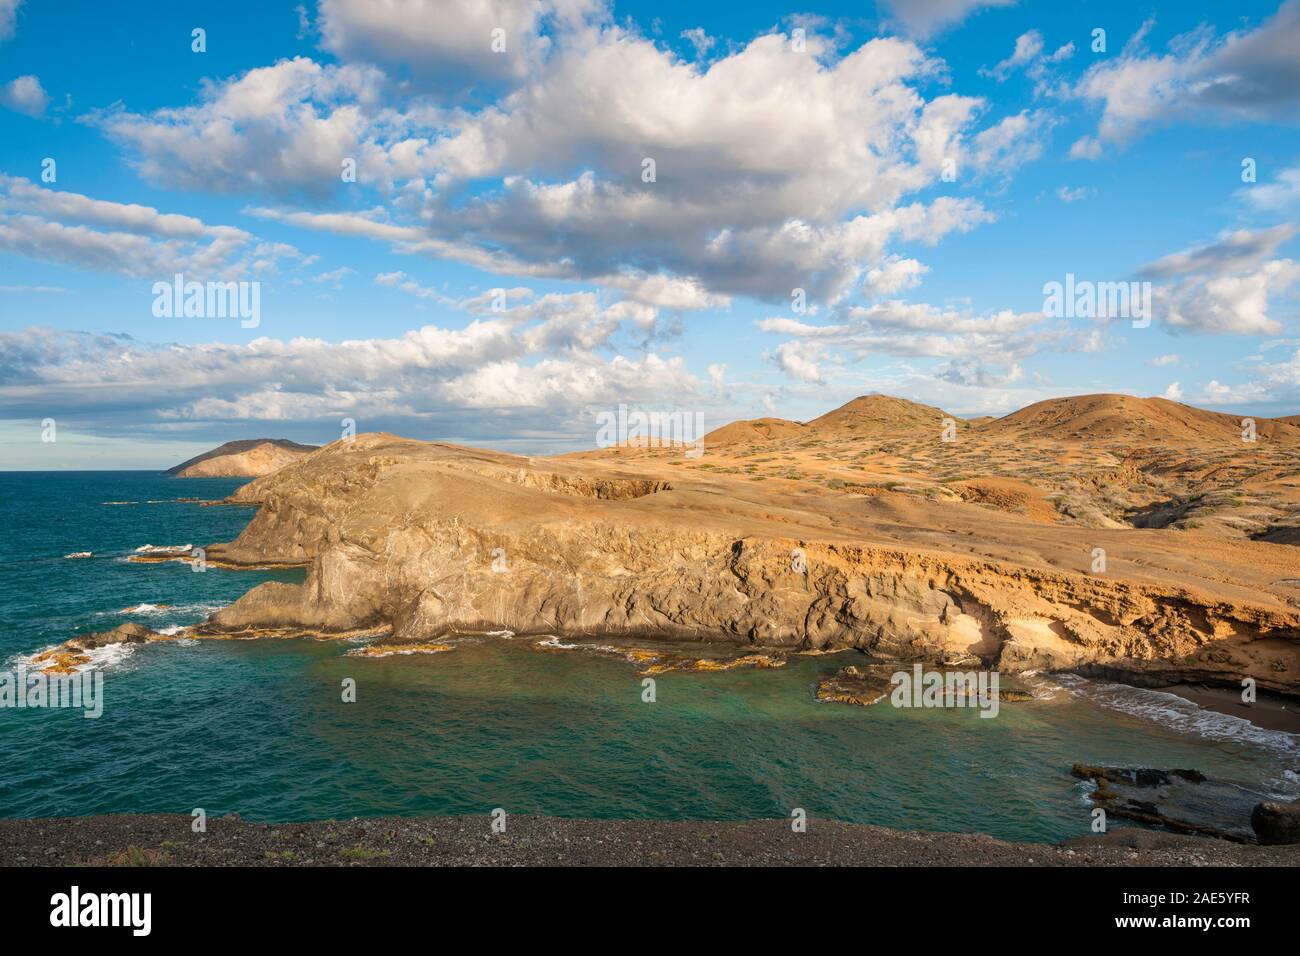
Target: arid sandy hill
{"points": [[859, 529], [243, 459]]}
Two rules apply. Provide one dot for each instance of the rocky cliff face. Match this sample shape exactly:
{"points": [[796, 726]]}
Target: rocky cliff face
{"points": [[431, 538]]}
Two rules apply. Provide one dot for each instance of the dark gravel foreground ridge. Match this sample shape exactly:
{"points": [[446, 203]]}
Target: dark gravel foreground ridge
{"points": [[167, 840]]}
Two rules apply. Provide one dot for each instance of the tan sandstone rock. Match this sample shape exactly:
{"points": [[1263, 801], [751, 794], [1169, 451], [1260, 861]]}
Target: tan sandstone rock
{"points": [[431, 538]]}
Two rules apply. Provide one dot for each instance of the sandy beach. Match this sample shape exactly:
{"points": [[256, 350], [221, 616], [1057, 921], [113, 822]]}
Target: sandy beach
{"points": [[1269, 711]]}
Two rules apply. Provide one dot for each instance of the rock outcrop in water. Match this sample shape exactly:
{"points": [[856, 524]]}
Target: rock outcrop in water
{"points": [[430, 538], [1185, 801], [70, 656], [873, 683]]}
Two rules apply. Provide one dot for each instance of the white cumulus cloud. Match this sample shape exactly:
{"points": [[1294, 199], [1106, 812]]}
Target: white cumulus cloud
{"points": [[25, 95]]}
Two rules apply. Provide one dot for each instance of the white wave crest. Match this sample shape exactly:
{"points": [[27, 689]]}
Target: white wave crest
{"points": [[1181, 715], [97, 658], [164, 549]]}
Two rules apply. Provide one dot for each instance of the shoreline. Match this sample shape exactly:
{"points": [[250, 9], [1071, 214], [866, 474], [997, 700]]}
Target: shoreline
{"points": [[862, 579], [1269, 712], [658, 653], [167, 840]]}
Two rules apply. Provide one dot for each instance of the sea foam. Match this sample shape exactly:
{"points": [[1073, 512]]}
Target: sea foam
{"points": [[1181, 715]]}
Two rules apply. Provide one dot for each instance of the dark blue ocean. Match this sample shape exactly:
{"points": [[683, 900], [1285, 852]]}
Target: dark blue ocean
{"points": [[258, 727]]}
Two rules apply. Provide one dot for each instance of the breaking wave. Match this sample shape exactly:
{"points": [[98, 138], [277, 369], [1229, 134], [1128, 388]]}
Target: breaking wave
{"points": [[98, 658], [1182, 715], [164, 549]]}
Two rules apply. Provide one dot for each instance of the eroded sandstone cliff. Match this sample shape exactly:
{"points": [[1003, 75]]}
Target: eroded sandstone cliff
{"points": [[433, 538]]}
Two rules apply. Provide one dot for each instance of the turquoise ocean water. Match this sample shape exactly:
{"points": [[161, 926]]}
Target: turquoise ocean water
{"points": [[258, 727]]}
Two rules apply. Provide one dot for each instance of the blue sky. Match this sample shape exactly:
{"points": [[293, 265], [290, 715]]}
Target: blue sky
{"points": [[920, 170]]}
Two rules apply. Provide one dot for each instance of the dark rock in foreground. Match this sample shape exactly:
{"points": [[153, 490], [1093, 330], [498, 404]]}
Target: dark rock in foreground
{"points": [[1185, 801], [158, 839], [1276, 824]]}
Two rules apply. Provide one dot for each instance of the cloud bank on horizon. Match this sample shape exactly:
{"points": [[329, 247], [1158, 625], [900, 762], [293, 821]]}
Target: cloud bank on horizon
{"points": [[488, 220]]}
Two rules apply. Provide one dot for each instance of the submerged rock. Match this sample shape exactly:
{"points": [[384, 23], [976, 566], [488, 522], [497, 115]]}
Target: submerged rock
{"points": [[660, 657], [874, 682], [401, 649], [1185, 801], [851, 685], [1012, 696], [61, 661], [658, 663]]}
